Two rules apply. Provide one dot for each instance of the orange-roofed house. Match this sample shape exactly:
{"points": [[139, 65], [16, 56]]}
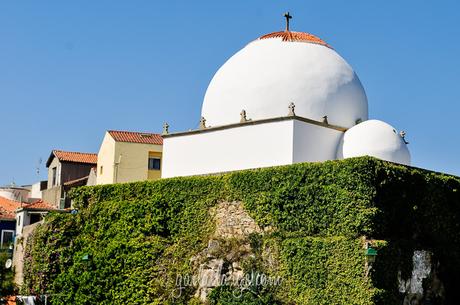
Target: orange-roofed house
{"points": [[127, 156], [30, 213], [66, 169], [7, 221]]}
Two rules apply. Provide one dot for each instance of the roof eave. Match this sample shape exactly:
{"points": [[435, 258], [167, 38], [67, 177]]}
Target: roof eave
{"points": [[50, 158]]}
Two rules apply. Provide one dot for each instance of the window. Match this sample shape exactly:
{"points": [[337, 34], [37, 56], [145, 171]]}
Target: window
{"points": [[53, 176], [34, 218], [19, 220], [101, 170], [7, 238], [154, 163]]}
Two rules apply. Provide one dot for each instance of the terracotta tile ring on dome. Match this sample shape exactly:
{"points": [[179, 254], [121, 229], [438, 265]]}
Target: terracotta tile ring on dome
{"points": [[296, 37]]}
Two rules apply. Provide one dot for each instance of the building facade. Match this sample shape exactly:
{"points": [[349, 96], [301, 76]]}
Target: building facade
{"points": [[126, 156], [30, 213], [7, 221], [15, 193], [251, 144], [66, 170], [286, 97]]}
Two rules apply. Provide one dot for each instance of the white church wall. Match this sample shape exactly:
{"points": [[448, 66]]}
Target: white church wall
{"points": [[237, 148], [314, 143]]}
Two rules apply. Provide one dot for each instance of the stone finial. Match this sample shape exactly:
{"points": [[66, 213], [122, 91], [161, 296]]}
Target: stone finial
{"points": [[325, 121], [203, 123], [291, 109], [402, 134], [165, 128], [243, 117]]}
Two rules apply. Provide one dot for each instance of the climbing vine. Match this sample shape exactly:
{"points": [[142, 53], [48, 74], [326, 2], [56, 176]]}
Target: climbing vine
{"points": [[128, 242]]}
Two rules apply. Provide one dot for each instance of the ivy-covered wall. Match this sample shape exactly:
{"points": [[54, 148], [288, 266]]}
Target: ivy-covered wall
{"points": [[6, 274], [139, 237]]}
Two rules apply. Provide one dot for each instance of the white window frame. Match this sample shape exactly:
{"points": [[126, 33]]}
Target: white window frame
{"points": [[1, 237], [58, 182]]}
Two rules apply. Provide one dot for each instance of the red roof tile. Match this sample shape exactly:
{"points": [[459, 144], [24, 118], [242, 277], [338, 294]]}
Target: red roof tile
{"points": [[71, 156], [296, 36], [38, 205], [7, 208], [136, 137]]}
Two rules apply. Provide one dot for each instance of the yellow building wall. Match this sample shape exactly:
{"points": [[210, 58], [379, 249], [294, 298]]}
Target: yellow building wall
{"points": [[106, 161], [126, 162], [133, 163]]}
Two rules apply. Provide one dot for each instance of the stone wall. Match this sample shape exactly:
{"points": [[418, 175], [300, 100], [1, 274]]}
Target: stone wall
{"points": [[424, 285], [232, 221], [221, 261]]}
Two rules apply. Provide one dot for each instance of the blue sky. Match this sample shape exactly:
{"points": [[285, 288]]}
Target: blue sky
{"points": [[69, 70]]}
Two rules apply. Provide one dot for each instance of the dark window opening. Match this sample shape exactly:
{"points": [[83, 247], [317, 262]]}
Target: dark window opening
{"points": [[7, 238], [154, 163], [35, 218], [53, 175]]}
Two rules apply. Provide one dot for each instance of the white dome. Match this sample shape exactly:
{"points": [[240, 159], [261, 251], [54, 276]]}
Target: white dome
{"points": [[279, 68], [374, 138]]}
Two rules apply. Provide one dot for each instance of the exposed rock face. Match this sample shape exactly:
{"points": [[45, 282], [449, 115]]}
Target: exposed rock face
{"points": [[232, 221], [424, 286], [220, 262]]}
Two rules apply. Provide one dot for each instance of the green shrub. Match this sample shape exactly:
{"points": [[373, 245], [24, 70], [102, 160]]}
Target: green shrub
{"points": [[140, 236], [252, 295], [7, 286]]}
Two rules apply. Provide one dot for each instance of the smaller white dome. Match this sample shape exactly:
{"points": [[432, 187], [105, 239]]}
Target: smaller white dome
{"points": [[376, 139]]}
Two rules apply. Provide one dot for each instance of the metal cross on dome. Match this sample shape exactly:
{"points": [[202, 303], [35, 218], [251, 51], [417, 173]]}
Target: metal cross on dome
{"points": [[287, 16]]}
